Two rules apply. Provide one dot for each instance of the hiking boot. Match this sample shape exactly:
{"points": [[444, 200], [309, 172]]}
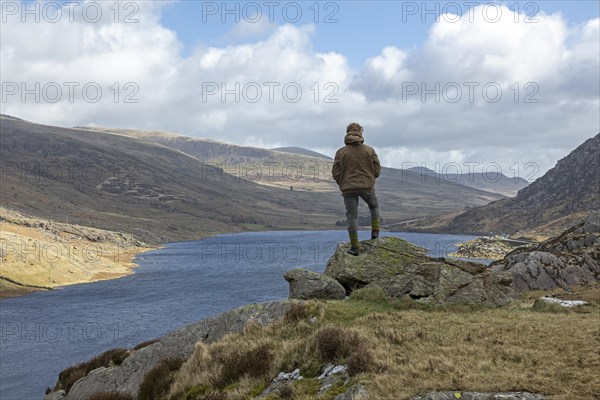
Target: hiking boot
{"points": [[353, 251], [374, 234]]}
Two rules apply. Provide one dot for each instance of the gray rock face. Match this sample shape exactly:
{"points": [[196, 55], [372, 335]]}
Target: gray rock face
{"points": [[403, 269], [592, 223], [357, 392], [571, 258], [58, 395], [479, 396], [305, 285], [333, 375], [128, 376], [282, 380]]}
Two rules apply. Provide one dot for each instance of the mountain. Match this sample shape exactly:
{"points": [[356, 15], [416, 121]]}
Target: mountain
{"points": [[163, 187], [402, 194], [302, 151], [130, 185], [565, 194], [493, 181]]}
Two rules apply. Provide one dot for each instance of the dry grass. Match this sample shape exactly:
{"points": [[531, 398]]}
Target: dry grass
{"points": [[398, 350], [69, 376], [158, 380], [37, 253], [111, 396]]}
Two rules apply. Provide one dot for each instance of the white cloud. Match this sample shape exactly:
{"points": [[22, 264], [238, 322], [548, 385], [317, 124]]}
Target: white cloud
{"points": [[559, 61]]}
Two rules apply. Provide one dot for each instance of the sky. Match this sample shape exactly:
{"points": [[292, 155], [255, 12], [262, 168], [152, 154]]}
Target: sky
{"points": [[495, 86]]}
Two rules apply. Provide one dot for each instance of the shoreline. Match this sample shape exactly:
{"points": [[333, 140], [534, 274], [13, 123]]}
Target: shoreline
{"points": [[10, 288]]}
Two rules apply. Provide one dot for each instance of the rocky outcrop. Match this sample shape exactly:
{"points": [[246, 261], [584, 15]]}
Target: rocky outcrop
{"points": [[490, 248], [403, 269], [571, 258], [306, 285], [180, 343], [332, 375], [280, 382], [552, 202], [479, 396]]}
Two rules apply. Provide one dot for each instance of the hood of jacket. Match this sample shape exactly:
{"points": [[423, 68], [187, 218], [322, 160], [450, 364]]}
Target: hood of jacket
{"points": [[354, 138]]}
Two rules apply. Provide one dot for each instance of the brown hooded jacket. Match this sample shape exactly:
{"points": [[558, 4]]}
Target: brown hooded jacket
{"points": [[356, 165]]}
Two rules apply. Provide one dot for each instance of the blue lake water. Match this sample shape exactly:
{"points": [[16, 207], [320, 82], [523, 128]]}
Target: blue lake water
{"points": [[45, 332]]}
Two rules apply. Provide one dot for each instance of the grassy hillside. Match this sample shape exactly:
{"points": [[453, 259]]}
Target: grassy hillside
{"points": [[402, 194], [300, 150], [156, 193], [397, 352], [395, 349]]}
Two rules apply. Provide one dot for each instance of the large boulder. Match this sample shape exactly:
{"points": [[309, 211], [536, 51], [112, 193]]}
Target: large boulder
{"points": [[572, 258], [305, 285], [403, 269], [128, 376]]}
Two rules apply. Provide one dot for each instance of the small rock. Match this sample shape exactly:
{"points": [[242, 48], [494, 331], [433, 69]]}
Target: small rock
{"points": [[332, 375], [560, 302], [280, 381], [356, 392], [331, 369], [58, 395], [306, 285]]}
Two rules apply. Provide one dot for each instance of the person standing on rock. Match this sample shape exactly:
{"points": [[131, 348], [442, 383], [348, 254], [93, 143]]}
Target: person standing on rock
{"points": [[355, 169]]}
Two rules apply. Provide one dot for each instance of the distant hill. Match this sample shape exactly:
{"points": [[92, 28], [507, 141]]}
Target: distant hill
{"points": [[491, 182], [164, 187], [302, 151], [565, 194], [402, 194], [125, 184]]}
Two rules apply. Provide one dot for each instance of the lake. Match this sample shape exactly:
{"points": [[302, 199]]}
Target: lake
{"points": [[45, 332]]}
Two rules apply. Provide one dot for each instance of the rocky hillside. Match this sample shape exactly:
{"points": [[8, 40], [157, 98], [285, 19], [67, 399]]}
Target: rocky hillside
{"points": [[570, 259], [551, 204]]}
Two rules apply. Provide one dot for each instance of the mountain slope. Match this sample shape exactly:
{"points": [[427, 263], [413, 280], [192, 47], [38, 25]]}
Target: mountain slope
{"points": [[402, 194], [302, 151], [126, 184], [163, 187], [491, 182], [564, 194]]}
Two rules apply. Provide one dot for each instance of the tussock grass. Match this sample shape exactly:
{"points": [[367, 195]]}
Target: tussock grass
{"points": [[158, 380], [111, 396], [68, 377], [399, 349]]}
